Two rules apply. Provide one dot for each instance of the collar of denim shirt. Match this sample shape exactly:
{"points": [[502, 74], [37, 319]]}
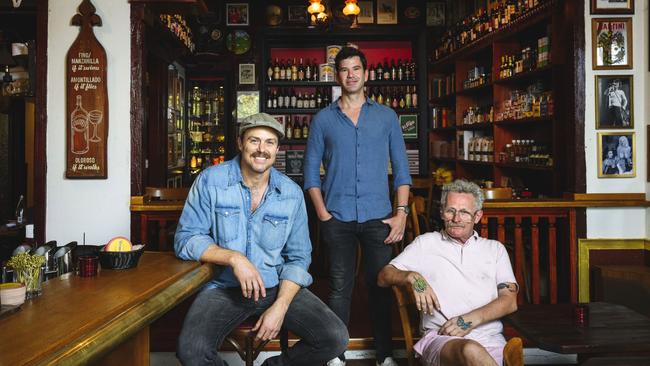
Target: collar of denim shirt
{"points": [[335, 104], [235, 176]]}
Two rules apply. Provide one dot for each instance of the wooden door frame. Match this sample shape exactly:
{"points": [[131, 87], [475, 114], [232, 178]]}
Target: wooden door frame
{"points": [[40, 121]]}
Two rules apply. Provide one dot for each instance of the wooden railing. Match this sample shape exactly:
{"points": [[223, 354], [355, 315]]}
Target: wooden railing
{"points": [[537, 238]]}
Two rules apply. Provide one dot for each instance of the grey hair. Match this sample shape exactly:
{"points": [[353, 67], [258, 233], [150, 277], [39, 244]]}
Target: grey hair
{"points": [[463, 186]]}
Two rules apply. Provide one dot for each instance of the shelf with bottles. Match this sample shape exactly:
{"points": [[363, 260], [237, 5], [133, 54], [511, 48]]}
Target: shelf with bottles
{"points": [[478, 30], [535, 101]]}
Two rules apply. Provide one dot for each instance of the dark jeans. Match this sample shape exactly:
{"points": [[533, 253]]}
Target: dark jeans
{"points": [[341, 240], [216, 312]]}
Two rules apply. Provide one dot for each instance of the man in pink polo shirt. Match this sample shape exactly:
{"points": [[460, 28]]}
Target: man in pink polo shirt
{"points": [[462, 284]]}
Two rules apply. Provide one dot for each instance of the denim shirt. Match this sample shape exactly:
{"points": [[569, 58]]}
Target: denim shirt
{"points": [[355, 158], [274, 238]]}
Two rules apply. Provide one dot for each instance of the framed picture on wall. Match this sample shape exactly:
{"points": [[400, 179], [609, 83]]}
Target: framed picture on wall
{"points": [[614, 102], [248, 103], [611, 40], [386, 11], [247, 74], [366, 13], [435, 14], [237, 14], [612, 6], [616, 154], [297, 14]]}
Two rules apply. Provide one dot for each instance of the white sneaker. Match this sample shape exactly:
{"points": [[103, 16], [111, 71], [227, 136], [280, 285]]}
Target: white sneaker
{"points": [[388, 361], [336, 362]]}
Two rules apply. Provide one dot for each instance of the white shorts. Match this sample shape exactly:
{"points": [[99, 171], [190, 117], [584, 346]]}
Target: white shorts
{"points": [[429, 347]]}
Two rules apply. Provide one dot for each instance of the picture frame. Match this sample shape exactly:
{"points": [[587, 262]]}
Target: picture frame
{"points": [[614, 102], [611, 40], [409, 125], [247, 74], [297, 14], [237, 14], [616, 154], [435, 14], [386, 11], [612, 6], [367, 12], [248, 103]]}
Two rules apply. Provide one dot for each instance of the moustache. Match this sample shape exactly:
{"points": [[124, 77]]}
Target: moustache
{"points": [[261, 154]]}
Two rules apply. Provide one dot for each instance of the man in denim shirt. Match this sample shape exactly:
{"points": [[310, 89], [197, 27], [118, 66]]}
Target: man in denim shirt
{"points": [[354, 138], [250, 220]]}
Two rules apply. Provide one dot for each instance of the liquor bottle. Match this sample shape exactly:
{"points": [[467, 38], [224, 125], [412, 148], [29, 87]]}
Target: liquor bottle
{"points": [[308, 70], [407, 97], [269, 98], [380, 97], [326, 98], [297, 129], [402, 100], [275, 99], [388, 98], [395, 100], [287, 98], [193, 162], [294, 70], [380, 71], [393, 70], [312, 101], [301, 70], [305, 128], [372, 74], [281, 93], [314, 71], [289, 132], [299, 101], [319, 99], [386, 69], [414, 97], [276, 70], [283, 70], [414, 69], [269, 71], [400, 70], [293, 100]]}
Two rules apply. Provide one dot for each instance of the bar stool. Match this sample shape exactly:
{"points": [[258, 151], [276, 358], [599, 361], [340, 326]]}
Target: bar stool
{"points": [[243, 334], [156, 194]]}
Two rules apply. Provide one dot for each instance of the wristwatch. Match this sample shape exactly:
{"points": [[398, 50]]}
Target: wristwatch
{"points": [[405, 208]]}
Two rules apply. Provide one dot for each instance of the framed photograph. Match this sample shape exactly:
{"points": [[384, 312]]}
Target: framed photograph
{"points": [[612, 6], [367, 13], [614, 102], [295, 159], [247, 74], [611, 40], [297, 14], [237, 14], [409, 124], [248, 103], [435, 14], [616, 154], [386, 11]]}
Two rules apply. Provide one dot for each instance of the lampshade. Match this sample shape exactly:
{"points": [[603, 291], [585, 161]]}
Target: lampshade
{"points": [[315, 7], [351, 8]]}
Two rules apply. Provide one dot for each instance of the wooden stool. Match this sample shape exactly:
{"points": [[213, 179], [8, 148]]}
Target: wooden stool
{"points": [[250, 350]]}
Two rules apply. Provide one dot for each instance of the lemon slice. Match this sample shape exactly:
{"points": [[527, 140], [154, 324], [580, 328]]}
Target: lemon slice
{"points": [[118, 244]]}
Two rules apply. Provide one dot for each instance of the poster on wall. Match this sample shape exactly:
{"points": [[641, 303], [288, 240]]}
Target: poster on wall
{"points": [[611, 43], [87, 100]]}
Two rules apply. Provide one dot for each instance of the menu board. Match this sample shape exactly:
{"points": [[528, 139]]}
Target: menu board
{"points": [[87, 100]]}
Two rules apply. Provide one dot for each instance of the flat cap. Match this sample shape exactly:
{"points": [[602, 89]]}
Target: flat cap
{"points": [[261, 120]]}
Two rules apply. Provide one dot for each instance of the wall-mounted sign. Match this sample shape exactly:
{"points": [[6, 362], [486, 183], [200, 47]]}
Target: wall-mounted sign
{"points": [[87, 100]]}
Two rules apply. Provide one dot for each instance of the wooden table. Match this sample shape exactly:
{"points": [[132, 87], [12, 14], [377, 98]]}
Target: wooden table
{"points": [[160, 212], [99, 320], [611, 329]]}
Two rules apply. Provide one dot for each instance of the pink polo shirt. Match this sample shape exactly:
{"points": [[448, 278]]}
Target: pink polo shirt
{"points": [[463, 276]]}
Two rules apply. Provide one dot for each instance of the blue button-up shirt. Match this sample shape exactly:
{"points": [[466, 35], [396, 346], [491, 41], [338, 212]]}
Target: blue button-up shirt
{"points": [[355, 158], [274, 238]]}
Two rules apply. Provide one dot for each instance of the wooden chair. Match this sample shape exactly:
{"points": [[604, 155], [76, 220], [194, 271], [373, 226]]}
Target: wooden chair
{"points": [[243, 340], [162, 218], [513, 352], [424, 187], [412, 229], [410, 319]]}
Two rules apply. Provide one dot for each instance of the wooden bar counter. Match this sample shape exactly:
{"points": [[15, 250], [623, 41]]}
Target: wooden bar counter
{"points": [[99, 320]]}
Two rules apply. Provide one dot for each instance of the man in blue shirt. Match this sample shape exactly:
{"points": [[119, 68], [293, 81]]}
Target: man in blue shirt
{"points": [[354, 138], [250, 220]]}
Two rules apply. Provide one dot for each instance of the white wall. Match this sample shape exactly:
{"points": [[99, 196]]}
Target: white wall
{"points": [[98, 208], [614, 222]]}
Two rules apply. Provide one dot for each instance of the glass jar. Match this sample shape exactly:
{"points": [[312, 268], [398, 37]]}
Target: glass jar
{"points": [[32, 278]]}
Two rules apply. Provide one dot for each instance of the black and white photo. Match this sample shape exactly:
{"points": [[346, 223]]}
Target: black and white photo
{"points": [[247, 74], [616, 151], [614, 102]]}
